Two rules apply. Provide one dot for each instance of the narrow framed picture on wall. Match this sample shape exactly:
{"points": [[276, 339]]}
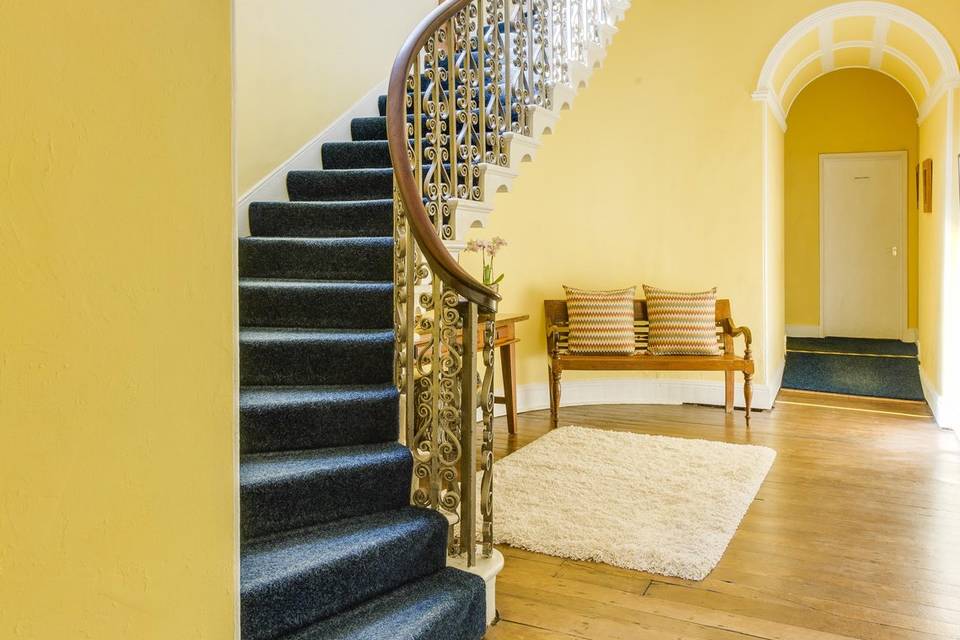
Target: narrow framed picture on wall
{"points": [[928, 186], [918, 187]]}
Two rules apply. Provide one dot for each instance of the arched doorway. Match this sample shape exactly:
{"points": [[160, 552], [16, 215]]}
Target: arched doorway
{"points": [[890, 40]]}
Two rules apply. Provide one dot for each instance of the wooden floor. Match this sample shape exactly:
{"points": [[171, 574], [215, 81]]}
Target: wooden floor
{"points": [[855, 534]]}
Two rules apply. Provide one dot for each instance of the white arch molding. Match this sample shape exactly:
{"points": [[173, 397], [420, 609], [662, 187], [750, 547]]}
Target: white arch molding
{"points": [[821, 22]]}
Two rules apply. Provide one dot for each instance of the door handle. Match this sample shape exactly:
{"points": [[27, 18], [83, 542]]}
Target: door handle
{"points": [[893, 251]]}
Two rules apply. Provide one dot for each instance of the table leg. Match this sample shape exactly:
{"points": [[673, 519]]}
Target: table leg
{"points": [[508, 363]]}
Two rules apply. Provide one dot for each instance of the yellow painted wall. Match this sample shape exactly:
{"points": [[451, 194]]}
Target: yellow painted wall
{"points": [[117, 321], [774, 250], [847, 111], [656, 174], [949, 383], [933, 133], [302, 63]]}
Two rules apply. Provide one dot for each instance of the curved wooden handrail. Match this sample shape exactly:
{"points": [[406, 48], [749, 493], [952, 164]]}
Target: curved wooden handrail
{"points": [[434, 251]]}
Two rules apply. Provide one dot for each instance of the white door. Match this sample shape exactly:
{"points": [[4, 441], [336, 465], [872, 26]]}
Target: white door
{"points": [[862, 220]]}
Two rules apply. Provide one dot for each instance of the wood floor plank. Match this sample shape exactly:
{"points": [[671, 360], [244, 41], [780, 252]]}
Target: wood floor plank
{"points": [[506, 630], [853, 534]]}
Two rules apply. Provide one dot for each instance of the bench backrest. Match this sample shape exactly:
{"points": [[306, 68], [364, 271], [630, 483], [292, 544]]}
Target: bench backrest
{"points": [[556, 316]]}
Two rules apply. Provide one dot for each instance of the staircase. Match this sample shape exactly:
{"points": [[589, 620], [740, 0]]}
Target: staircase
{"points": [[331, 546]]}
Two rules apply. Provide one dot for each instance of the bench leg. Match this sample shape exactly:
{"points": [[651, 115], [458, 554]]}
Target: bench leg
{"points": [[748, 394], [728, 380], [554, 374]]}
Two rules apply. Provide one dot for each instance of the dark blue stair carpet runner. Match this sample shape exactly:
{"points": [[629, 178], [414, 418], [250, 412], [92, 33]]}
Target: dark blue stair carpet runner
{"points": [[330, 548], [853, 366]]}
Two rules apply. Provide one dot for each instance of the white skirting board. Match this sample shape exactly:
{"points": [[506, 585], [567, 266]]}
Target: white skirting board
{"points": [[803, 331], [944, 411], [533, 397], [814, 331], [273, 188]]}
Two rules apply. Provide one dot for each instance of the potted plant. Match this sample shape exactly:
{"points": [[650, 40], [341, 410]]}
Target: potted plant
{"points": [[488, 249]]}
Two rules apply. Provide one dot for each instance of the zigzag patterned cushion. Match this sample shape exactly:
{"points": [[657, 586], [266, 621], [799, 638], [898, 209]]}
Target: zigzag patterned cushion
{"points": [[601, 322], [682, 324]]}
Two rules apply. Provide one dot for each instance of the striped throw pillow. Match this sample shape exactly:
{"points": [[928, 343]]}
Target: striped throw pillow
{"points": [[601, 322], [682, 323]]}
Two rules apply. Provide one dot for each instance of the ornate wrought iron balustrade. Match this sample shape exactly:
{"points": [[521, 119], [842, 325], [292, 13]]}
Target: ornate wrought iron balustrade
{"points": [[467, 81]]}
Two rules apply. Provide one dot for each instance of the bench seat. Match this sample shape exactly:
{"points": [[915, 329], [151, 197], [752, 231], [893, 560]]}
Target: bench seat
{"points": [[560, 358], [647, 362]]}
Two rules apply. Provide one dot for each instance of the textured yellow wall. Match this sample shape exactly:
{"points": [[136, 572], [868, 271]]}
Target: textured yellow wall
{"points": [[302, 63], [851, 110], [933, 133], [775, 305], [656, 174], [117, 321]]}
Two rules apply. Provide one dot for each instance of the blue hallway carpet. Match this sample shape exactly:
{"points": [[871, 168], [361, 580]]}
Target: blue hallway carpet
{"points": [[853, 366]]}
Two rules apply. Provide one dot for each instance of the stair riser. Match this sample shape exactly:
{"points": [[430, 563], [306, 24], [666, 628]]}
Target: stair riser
{"points": [[447, 605], [329, 220], [328, 186], [379, 483], [376, 128], [291, 419], [360, 155], [319, 592], [336, 260], [322, 307], [308, 363]]}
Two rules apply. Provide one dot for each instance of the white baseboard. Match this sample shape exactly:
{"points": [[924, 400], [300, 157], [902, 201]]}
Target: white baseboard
{"points": [[534, 397], [814, 331], [775, 383], [273, 188], [944, 411], [803, 331]]}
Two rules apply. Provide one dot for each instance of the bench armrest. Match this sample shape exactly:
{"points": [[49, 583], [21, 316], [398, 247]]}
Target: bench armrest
{"points": [[553, 332], [734, 331]]}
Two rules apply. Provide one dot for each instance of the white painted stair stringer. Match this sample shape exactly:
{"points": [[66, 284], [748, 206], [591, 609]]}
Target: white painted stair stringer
{"points": [[472, 214]]}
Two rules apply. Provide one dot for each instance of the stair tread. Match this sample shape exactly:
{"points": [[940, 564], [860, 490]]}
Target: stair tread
{"points": [[322, 219], [268, 468], [318, 241], [300, 356], [293, 579], [324, 204], [310, 417], [299, 334], [447, 605], [360, 285], [362, 170], [270, 558], [253, 395], [307, 258], [289, 490]]}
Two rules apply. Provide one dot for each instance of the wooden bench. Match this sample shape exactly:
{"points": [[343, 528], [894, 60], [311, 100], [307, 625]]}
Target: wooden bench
{"points": [[560, 358]]}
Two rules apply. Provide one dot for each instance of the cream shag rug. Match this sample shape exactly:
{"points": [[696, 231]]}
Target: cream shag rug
{"points": [[651, 503]]}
